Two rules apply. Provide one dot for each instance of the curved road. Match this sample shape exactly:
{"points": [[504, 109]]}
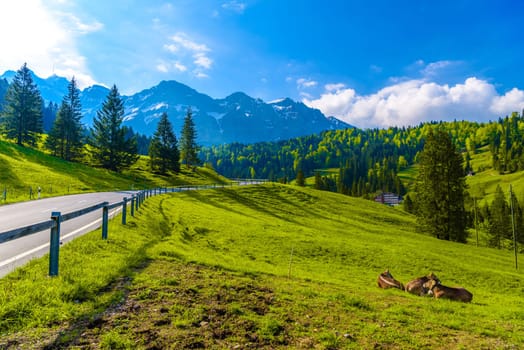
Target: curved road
{"points": [[17, 252]]}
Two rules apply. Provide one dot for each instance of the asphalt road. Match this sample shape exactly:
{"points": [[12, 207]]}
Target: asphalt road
{"points": [[19, 251]]}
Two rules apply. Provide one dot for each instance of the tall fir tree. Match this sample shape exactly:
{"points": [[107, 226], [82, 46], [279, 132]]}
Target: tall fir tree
{"points": [[441, 188], [188, 146], [163, 149], [65, 137], [499, 227], [22, 115], [111, 147]]}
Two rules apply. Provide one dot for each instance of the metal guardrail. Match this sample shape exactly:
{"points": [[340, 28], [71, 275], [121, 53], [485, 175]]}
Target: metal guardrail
{"points": [[136, 201]]}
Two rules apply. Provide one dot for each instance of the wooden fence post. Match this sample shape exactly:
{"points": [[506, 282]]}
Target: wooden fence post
{"points": [[54, 246]]}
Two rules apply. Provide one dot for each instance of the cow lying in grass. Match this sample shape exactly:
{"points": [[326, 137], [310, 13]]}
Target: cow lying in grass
{"points": [[439, 291], [417, 285], [386, 280]]}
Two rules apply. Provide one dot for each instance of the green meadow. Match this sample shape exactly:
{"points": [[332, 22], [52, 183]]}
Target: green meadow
{"points": [[269, 266], [22, 169]]}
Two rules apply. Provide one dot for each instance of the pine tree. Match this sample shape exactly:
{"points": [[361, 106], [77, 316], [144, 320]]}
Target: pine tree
{"points": [[499, 226], [112, 148], [188, 146], [440, 188], [65, 137], [163, 149], [22, 116], [300, 178]]}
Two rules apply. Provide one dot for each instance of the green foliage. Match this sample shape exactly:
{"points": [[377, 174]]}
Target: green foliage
{"points": [[65, 137], [441, 188], [505, 142], [22, 114], [111, 147], [163, 150], [188, 146]]}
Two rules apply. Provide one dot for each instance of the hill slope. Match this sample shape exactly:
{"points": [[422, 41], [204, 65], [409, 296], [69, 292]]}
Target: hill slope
{"points": [[24, 168], [262, 267]]}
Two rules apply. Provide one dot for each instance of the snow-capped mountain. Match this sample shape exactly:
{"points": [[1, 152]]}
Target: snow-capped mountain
{"points": [[236, 118]]}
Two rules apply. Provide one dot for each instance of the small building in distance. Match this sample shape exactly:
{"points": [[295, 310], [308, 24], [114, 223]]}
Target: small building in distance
{"points": [[388, 198]]}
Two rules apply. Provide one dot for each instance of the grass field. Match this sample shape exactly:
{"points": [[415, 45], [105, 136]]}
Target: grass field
{"points": [[269, 266], [24, 168]]}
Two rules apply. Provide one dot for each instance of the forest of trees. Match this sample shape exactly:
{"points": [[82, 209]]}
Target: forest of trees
{"points": [[25, 119]]}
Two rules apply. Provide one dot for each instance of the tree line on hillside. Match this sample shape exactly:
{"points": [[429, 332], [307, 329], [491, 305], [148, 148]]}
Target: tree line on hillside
{"points": [[108, 144], [364, 163]]}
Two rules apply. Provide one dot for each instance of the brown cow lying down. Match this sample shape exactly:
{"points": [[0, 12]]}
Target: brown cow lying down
{"points": [[385, 280], [440, 291], [417, 285]]}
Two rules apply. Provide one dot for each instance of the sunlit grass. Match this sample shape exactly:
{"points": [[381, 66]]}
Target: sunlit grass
{"points": [[316, 253], [23, 170]]}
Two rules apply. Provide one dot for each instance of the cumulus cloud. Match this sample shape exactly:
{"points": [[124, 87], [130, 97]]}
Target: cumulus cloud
{"points": [[45, 39], [414, 101]]}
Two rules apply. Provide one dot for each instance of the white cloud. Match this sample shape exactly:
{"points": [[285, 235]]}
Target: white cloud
{"points": [[162, 67], [45, 39], [511, 101], [303, 83], [433, 69], [334, 87], [166, 67], [188, 52], [171, 48], [188, 44], [414, 101], [235, 6], [180, 67], [203, 61], [201, 75]]}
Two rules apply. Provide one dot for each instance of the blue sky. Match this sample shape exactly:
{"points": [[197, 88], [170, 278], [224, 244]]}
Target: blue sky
{"points": [[370, 63]]}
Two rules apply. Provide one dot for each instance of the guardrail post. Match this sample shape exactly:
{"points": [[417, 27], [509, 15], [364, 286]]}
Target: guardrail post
{"points": [[124, 211], [136, 202], [133, 205], [54, 246], [104, 221]]}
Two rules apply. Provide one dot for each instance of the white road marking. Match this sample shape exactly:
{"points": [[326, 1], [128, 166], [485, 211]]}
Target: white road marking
{"points": [[34, 250]]}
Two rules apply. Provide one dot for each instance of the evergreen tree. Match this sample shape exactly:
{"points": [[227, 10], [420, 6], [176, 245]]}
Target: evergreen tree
{"points": [[188, 146], [49, 114], [112, 148], [318, 181], [65, 137], [408, 204], [22, 115], [163, 149], [300, 178], [440, 188], [499, 219]]}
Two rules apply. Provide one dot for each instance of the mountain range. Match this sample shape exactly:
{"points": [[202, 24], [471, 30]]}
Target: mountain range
{"points": [[236, 118]]}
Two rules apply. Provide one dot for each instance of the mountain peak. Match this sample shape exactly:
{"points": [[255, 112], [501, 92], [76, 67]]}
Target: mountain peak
{"points": [[236, 118]]}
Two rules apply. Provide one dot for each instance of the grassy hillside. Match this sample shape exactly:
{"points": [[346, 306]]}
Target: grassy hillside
{"points": [[268, 266], [24, 168], [483, 184]]}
